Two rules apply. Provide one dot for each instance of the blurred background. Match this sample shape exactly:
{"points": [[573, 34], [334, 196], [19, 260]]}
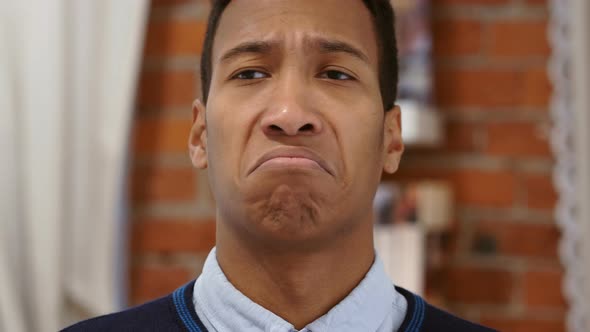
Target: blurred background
{"points": [[101, 208]]}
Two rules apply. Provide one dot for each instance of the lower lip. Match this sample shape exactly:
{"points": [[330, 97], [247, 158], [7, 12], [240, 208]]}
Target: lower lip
{"points": [[289, 163]]}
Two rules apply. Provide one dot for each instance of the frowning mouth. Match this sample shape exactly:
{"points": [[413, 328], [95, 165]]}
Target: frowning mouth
{"points": [[291, 157]]}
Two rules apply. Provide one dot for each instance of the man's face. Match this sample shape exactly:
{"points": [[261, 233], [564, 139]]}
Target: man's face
{"points": [[295, 135]]}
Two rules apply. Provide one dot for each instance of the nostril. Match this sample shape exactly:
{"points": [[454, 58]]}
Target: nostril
{"points": [[275, 128], [307, 127]]}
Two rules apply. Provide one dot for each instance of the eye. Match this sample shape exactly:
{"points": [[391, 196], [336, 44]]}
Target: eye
{"points": [[250, 74], [336, 75]]}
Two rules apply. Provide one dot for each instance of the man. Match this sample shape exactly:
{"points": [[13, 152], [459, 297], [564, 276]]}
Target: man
{"points": [[296, 126]]}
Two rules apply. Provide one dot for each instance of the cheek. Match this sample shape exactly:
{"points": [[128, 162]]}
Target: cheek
{"points": [[364, 163], [365, 157], [361, 146], [362, 143], [225, 130]]}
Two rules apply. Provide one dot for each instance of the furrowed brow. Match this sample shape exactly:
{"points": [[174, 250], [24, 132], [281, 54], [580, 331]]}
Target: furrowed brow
{"points": [[336, 46], [252, 47]]}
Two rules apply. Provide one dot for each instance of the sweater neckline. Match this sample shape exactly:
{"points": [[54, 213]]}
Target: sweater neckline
{"points": [[186, 313]]}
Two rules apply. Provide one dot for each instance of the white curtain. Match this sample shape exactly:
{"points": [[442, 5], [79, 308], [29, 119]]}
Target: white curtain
{"points": [[580, 50], [569, 69], [68, 70]]}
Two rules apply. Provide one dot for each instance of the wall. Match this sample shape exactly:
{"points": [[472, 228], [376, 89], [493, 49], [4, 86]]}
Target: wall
{"points": [[173, 217], [492, 86], [501, 266]]}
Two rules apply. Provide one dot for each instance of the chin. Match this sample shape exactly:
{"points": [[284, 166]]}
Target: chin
{"points": [[286, 211]]}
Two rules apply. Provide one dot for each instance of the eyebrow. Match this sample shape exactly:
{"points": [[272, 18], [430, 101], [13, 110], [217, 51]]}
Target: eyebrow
{"points": [[337, 46], [325, 46], [251, 47]]}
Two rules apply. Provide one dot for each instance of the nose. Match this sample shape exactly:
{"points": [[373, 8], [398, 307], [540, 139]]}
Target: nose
{"points": [[289, 114]]}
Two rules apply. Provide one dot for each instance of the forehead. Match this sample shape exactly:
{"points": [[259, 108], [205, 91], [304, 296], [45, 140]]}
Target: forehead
{"points": [[292, 22]]}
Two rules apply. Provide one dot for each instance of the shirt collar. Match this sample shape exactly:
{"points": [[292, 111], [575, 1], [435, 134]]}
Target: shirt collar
{"points": [[373, 303]]}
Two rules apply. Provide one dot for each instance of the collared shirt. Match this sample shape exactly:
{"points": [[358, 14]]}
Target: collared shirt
{"points": [[373, 306]]}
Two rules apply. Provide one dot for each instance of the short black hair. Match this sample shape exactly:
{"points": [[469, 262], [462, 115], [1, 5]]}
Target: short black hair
{"points": [[384, 22]]}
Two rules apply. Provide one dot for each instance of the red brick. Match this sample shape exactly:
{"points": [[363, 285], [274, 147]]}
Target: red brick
{"points": [[158, 184], [153, 136], [163, 236], [517, 140], [472, 2], [542, 289], [163, 3], [484, 188], [538, 324], [521, 239], [492, 88], [167, 89], [463, 136], [174, 37], [152, 282], [471, 186], [407, 173], [456, 37], [474, 285], [519, 39], [536, 87], [540, 192]]}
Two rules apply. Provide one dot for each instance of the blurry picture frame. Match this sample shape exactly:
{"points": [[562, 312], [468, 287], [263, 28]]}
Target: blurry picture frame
{"points": [[414, 44], [422, 125]]}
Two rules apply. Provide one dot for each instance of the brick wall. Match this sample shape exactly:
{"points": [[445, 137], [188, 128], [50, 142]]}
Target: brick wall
{"points": [[173, 225], [501, 266]]}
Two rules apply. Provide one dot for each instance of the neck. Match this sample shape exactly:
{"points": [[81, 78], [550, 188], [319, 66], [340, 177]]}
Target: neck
{"points": [[297, 285]]}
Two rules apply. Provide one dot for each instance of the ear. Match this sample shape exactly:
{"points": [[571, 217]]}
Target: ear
{"points": [[197, 142], [393, 146]]}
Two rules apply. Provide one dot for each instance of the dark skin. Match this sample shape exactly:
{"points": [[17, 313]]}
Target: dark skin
{"points": [[295, 139]]}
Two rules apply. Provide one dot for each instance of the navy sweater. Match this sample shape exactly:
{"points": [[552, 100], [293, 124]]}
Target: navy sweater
{"points": [[176, 312]]}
